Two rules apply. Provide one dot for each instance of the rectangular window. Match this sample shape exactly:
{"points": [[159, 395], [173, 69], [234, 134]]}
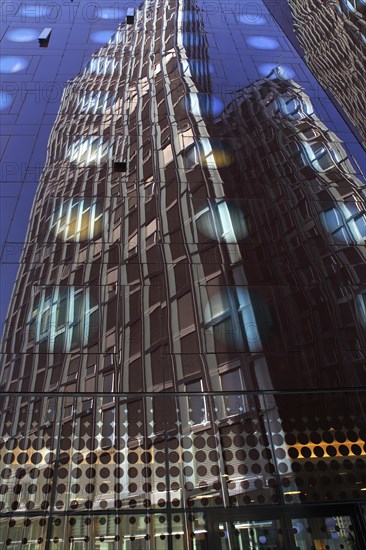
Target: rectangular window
{"points": [[108, 387], [132, 244], [233, 403], [185, 312], [151, 233], [197, 406], [108, 428]]}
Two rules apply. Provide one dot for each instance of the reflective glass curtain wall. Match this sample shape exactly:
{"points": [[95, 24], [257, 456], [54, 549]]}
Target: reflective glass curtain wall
{"points": [[333, 37], [186, 338]]}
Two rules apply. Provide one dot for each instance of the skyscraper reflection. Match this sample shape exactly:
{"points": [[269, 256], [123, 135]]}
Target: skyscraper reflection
{"points": [[337, 54], [188, 307]]}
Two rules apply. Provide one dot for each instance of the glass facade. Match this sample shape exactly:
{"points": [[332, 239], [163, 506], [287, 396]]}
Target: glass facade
{"points": [[183, 358], [194, 470], [333, 37]]}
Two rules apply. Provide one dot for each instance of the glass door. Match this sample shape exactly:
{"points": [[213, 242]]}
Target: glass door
{"points": [[284, 528], [323, 533], [242, 534]]}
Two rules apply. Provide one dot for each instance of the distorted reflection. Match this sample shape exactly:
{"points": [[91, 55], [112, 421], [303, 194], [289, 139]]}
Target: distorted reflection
{"points": [[321, 156], [103, 65], [77, 219], [12, 64], [191, 39], [22, 35], [204, 104], [95, 102], [231, 319], [64, 318], [91, 150], [251, 320], [221, 319], [285, 71], [221, 264], [293, 107], [346, 222], [196, 67], [210, 152], [223, 221]]}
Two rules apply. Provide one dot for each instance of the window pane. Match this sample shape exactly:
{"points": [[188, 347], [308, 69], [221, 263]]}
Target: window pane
{"points": [[196, 403], [108, 387], [232, 381]]}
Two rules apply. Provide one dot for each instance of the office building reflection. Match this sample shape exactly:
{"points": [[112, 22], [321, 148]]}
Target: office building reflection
{"points": [[299, 188], [185, 343], [333, 37]]}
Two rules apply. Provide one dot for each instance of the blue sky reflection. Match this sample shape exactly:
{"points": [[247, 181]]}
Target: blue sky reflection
{"points": [[101, 37], [263, 42], [22, 35], [12, 64]]}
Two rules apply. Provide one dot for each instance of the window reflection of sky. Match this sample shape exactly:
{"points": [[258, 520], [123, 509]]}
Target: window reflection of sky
{"points": [[222, 221], [204, 104], [22, 35], [110, 13], [101, 37], [103, 65], [197, 67], [251, 19], [294, 108], [95, 102], [265, 69], [90, 150], [65, 318], [263, 42], [77, 220], [236, 305], [346, 222], [12, 64]]}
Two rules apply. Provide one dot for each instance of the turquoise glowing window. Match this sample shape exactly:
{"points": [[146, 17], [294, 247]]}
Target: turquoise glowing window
{"points": [[346, 222], [65, 317]]}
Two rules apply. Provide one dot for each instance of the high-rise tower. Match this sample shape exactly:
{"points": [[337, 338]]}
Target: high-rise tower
{"points": [[185, 342], [333, 36]]}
